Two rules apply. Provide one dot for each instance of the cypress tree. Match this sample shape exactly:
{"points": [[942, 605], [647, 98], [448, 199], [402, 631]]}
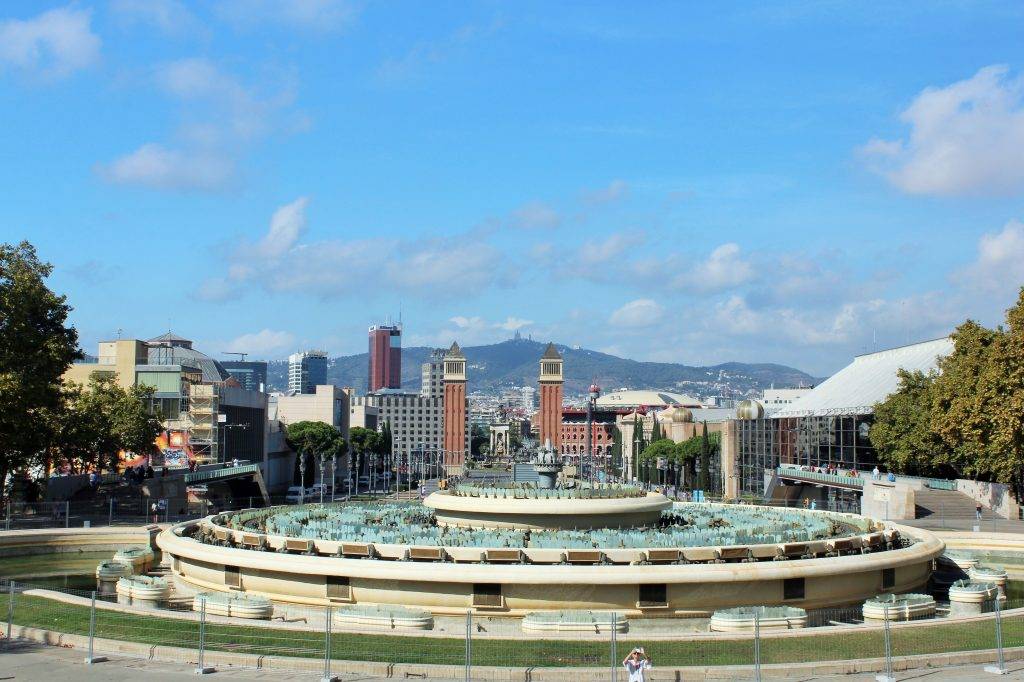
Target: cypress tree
{"points": [[656, 429], [704, 478]]}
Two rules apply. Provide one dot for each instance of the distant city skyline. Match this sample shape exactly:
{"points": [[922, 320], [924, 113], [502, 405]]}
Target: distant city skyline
{"points": [[793, 184]]}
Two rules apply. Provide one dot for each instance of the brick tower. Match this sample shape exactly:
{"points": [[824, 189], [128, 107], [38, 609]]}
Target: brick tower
{"points": [[551, 397], [455, 408]]}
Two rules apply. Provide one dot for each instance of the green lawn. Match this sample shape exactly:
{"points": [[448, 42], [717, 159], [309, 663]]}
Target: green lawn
{"points": [[41, 612]]}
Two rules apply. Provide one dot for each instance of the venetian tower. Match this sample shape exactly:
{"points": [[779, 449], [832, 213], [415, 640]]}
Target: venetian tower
{"points": [[551, 397], [455, 408]]}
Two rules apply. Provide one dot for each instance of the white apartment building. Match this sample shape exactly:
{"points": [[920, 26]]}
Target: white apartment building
{"points": [[432, 378], [414, 419]]}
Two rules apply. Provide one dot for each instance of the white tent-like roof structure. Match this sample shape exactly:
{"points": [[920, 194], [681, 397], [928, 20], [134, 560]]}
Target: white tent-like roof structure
{"points": [[869, 379], [633, 399]]}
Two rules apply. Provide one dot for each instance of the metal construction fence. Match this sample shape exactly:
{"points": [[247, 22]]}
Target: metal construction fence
{"points": [[477, 646]]}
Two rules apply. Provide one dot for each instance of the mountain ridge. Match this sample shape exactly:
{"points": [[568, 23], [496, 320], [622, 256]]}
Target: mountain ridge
{"points": [[513, 362]]}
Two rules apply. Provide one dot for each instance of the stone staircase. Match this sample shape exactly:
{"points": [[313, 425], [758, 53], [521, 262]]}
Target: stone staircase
{"points": [[946, 503]]}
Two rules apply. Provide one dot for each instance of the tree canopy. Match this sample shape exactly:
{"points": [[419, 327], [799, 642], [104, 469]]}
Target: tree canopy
{"points": [[36, 348], [96, 422], [967, 419], [314, 443]]}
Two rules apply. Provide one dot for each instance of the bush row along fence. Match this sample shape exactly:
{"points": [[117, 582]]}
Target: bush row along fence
{"points": [[473, 647]]}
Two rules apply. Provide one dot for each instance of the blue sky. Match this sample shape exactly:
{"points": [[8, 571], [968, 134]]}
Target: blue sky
{"points": [[792, 183]]}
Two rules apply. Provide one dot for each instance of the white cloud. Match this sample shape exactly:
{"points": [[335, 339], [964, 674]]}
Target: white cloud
{"points": [[999, 266], [460, 264], [168, 16], [514, 323], [616, 190], [286, 226], [468, 330], [536, 216], [264, 343], [725, 268], [643, 312], [603, 252], [157, 167], [217, 289], [319, 16], [225, 118], [51, 45], [425, 54], [965, 139]]}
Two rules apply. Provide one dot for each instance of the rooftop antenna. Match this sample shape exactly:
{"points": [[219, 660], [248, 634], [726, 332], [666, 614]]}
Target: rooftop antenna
{"points": [[119, 330]]}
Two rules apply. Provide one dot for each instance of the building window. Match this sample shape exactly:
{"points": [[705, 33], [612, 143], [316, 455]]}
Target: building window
{"points": [[793, 588], [655, 594]]}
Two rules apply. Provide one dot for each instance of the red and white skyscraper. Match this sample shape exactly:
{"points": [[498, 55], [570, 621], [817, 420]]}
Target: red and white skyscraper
{"points": [[385, 357]]}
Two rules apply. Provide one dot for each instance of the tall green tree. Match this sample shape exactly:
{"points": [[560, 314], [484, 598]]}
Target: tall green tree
{"points": [[968, 420], [615, 454], [704, 475], [385, 442], [478, 438], [97, 422], [316, 443], [656, 433], [902, 430], [36, 347]]}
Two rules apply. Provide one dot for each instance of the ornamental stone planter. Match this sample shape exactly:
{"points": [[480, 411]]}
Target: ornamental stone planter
{"points": [[384, 617], [990, 574], [140, 559], [968, 597], [897, 607], [574, 621], [112, 571], [234, 605], [741, 619], [141, 588]]}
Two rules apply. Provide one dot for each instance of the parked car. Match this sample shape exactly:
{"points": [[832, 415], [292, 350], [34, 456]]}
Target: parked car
{"points": [[364, 482], [295, 495], [314, 490]]}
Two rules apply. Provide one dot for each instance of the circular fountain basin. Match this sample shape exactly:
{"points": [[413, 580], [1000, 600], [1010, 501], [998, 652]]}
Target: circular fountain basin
{"points": [[532, 513]]}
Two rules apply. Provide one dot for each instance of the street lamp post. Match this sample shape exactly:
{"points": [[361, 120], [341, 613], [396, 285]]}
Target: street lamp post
{"points": [[302, 477], [323, 461], [635, 459]]}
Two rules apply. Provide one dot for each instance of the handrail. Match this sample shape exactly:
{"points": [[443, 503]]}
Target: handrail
{"points": [[210, 474]]}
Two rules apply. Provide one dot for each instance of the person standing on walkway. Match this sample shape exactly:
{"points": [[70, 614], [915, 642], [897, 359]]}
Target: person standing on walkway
{"points": [[977, 512], [637, 664]]}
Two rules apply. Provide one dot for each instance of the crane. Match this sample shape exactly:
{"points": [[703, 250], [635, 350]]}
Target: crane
{"points": [[236, 353]]}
